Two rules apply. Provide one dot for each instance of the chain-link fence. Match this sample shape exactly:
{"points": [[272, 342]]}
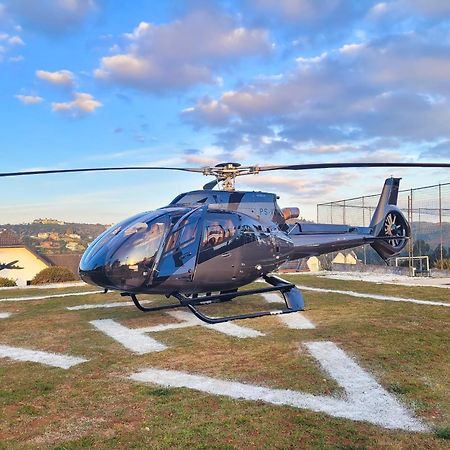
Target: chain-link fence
{"points": [[427, 209]]}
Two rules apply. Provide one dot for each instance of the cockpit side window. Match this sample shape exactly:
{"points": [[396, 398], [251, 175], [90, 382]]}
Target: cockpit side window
{"points": [[184, 234]]}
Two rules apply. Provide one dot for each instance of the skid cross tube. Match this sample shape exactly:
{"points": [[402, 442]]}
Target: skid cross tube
{"points": [[198, 301]]}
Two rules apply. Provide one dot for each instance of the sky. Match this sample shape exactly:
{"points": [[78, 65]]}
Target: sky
{"points": [[93, 83]]}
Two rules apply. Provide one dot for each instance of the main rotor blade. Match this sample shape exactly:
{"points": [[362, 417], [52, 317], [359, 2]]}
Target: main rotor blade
{"points": [[95, 169], [349, 165]]}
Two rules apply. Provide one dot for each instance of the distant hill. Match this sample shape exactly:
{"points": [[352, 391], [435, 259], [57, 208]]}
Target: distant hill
{"points": [[431, 233], [54, 238]]}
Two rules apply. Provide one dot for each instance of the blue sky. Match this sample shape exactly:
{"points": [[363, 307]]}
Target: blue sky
{"points": [[98, 83]]}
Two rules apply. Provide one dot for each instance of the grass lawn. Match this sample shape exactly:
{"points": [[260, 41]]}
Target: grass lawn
{"points": [[94, 405]]}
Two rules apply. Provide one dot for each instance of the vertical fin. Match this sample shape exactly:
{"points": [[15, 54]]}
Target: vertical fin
{"points": [[388, 197]]}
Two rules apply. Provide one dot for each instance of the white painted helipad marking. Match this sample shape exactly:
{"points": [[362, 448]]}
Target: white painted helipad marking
{"points": [[297, 321], [49, 359], [226, 328], [131, 338], [374, 296], [270, 297], [5, 315], [44, 297], [365, 399], [104, 305], [189, 320]]}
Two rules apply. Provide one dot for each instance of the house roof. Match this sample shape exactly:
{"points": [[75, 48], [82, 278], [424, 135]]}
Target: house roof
{"points": [[9, 239], [70, 261]]}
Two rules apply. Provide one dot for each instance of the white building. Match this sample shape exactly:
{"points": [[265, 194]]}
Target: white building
{"points": [[31, 263]]}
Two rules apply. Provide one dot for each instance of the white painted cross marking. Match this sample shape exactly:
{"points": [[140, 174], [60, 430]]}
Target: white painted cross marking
{"points": [[375, 296], [104, 305], [133, 339], [44, 297], [365, 399], [226, 328], [296, 321], [272, 298], [5, 315], [49, 359]]}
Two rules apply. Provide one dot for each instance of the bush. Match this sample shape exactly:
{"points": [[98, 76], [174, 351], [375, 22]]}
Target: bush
{"points": [[6, 282], [445, 265], [54, 274]]}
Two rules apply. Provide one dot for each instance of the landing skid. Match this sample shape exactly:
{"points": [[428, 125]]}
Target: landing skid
{"points": [[293, 299]]}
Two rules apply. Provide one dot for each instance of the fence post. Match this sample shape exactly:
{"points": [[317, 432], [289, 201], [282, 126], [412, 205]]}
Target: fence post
{"points": [[410, 242], [364, 213], [440, 227]]}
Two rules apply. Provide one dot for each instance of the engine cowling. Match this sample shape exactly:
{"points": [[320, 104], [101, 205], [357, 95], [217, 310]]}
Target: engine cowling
{"points": [[290, 213]]}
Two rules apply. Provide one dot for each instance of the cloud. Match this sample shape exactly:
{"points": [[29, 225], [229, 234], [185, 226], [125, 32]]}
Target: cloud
{"points": [[395, 87], [301, 186], [15, 40], [51, 16], [441, 150], [8, 43], [58, 78], [177, 55], [308, 11], [81, 105], [16, 59], [29, 99], [430, 8], [307, 22]]}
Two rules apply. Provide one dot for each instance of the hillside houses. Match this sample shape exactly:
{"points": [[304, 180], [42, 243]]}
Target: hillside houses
{"points": [[29, 261]]}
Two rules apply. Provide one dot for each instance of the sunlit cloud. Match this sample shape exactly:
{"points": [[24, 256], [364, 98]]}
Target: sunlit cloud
{"points": [[58, 78], [29, 99], [81, 105], [196, 45]]}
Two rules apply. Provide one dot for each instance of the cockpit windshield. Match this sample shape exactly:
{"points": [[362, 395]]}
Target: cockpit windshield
{"points": [[131, 262], [194, 199], [125, 254]]}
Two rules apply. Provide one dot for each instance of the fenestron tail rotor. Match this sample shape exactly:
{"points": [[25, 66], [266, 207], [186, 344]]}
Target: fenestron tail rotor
{"points": [[226, 173]]}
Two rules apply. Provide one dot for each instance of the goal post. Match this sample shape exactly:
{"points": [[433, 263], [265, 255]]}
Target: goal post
{"points": [[420, 265]]}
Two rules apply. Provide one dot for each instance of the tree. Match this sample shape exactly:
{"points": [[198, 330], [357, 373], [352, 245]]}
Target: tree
{"points": [[421, 248]]}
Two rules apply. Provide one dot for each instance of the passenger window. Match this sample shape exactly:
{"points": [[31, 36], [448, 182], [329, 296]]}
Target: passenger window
{"points": [[218, 230]]}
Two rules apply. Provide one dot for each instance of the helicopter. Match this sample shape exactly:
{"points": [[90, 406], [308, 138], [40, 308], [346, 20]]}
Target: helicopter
{"points": [[207, 244]]}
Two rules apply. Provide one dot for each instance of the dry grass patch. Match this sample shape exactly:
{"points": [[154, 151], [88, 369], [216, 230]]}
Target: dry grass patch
{"points": [[95, 405]]}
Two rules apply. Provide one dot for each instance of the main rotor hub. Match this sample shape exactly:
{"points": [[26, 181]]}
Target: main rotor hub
{"points": [[226, 173]]}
